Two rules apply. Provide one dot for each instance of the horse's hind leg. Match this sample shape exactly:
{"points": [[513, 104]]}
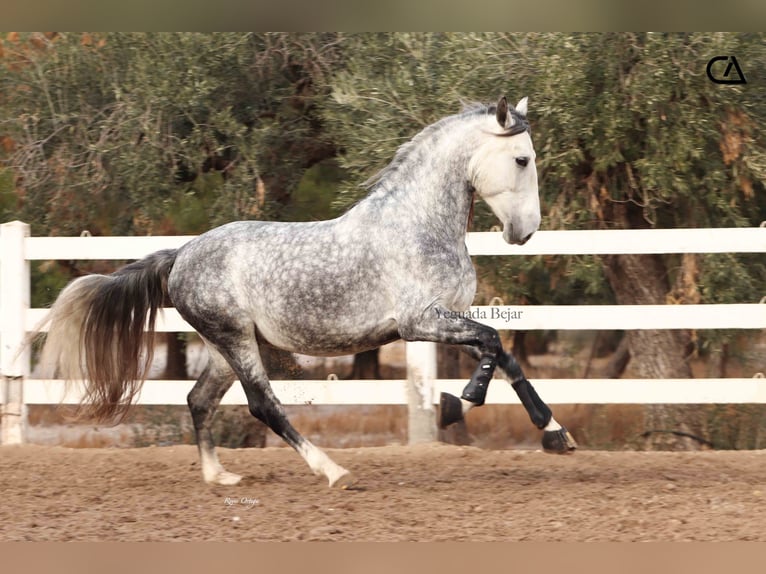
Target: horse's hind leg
{"points": [[265, 406], [203, 401]]}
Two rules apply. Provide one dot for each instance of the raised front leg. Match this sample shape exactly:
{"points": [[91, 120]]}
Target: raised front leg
{"points": [[483, 342], [442, 326], [556, 438]]}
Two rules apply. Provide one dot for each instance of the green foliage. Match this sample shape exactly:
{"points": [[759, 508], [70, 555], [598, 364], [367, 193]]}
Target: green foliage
{"points": [[393, 85], [7, 195], [111, 130], [732, 278], [647, 127], [115, 125], [313, 197], [47, 281], [192, 210]]}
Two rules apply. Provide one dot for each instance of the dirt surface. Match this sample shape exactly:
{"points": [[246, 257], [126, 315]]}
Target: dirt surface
{"points": [[418, 493]]}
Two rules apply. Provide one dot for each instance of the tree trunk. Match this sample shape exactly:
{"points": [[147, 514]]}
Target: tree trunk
{"points": [[718, 362], [642, 280], [520, 349], [175, 365], [619, 360], [366, 365], [654, 354], [280, 179], [448, 361]]}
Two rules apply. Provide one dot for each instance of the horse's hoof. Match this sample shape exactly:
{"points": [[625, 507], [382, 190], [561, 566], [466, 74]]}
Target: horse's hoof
{"points": [[225, 479], [450, 410], [559, 442], [344, 481]]}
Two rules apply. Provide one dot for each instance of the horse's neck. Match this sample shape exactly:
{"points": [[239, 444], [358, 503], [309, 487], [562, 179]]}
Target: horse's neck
{"points": [[432, 190]]}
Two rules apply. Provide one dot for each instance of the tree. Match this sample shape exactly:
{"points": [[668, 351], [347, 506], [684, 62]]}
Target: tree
{"points": [[107, 129], [654, 144], [156, 133]]}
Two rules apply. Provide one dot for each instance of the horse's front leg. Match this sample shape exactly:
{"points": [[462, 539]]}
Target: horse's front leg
{"points": [[556, 438], [440, 325], [444, 326]]}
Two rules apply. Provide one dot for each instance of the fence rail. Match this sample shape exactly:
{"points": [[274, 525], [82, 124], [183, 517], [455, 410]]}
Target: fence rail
{"points": [[560, 317], [394, 391], [421, 389]]}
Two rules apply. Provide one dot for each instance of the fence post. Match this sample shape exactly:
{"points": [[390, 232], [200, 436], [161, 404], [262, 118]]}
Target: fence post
{"points": [[14, 302], [421, 374]]}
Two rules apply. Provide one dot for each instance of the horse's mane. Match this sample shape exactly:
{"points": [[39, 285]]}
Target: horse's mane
{"points": [[469, 109]]}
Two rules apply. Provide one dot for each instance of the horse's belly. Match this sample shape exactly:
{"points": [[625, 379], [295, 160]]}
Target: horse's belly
{"points": [[308, 336], [327, 343]]}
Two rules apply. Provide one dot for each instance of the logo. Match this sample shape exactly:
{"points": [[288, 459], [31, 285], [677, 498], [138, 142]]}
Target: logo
{"points": [[732, 73]]}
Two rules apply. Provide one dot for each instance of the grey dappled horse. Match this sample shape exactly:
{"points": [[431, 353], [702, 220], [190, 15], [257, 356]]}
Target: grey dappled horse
{"points": [[395, 266]]}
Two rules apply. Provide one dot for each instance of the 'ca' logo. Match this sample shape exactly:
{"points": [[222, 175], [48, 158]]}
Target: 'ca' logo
{"points": [[732, 73]]}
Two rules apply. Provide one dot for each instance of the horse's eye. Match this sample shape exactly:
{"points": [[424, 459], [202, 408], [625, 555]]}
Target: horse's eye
{"points": [[522, 160]]}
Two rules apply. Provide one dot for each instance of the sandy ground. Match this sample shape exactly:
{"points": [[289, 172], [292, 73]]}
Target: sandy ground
{"points": [[404, 493]]}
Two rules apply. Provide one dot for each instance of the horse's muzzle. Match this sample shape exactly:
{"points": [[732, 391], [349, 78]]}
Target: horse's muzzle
{"points": [[510, 237]]}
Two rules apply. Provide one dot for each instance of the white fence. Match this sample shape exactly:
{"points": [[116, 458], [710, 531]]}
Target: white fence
{"points": [[420, 390]]}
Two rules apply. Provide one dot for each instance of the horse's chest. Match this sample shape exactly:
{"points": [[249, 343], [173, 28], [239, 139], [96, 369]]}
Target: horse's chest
{"points": [[450, 277], [465, 289]]}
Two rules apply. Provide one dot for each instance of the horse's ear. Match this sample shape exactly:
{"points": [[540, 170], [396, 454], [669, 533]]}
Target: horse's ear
{"points": [[521, 107], [502, 111]]}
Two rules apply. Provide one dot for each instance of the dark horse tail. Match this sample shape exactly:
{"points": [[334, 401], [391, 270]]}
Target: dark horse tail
{"points": [[102, 332]]}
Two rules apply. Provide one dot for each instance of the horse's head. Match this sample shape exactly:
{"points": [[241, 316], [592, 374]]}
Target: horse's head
{"points": [[503, 172]]}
